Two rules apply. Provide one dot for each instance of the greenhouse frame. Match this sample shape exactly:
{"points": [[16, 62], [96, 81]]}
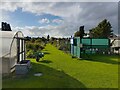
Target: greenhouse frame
{"points": [[12, 50]]}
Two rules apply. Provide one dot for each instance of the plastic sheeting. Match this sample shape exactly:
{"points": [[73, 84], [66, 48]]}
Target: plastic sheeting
{"points": [[6, 40], [0, 64], [88, 45], [8, 47]]}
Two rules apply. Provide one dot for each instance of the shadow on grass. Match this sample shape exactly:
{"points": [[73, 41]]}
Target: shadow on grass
{"points": [[51, 78], [46, 61], [102, 58], [74, 57], [46, 52]]}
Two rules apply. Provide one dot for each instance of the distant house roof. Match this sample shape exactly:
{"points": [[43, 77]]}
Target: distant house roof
{"points": [[115, 37], [115, 40], [116, 43]]}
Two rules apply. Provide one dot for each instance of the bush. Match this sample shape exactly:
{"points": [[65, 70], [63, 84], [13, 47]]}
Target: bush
{"points": [[30, 54], [34, 46], [64, 47], [29, 46]]}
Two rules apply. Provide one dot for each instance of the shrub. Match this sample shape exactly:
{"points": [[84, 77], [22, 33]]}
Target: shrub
{"points": [[30, 54]]}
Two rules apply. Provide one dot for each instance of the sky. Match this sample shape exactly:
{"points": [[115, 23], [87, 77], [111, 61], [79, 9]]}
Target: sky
{"points": [[57, 19]]}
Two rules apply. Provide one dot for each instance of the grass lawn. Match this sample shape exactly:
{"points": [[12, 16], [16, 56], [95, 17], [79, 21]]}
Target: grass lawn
{"points": [[61, 71]]}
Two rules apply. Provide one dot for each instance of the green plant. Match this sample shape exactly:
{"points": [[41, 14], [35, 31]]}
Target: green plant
{"points": [[30, 54]]}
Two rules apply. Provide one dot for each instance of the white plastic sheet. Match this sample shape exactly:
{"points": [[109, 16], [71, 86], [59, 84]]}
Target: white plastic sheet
{"points": [[8, 47], [0, 64]]}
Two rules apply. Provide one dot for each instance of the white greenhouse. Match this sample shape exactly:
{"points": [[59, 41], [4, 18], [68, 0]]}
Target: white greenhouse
{"points": [[12, 45]]}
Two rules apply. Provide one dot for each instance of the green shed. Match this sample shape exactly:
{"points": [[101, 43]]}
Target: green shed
{"points": [[88, 45]]}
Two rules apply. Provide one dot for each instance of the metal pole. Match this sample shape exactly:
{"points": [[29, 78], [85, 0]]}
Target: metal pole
{"points": [[21, 49], [80, 48], [24, 50], [91, 44], [18, 50]]}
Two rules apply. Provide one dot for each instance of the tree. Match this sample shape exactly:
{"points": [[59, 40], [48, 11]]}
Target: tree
{"points": [[28, 38], [77, 34], [48, 37], [103, 30], [38, 40], [80, 33]]}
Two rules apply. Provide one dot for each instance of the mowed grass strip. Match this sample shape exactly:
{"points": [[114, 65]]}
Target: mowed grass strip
{"points": [[101, 71], [60, 70]]}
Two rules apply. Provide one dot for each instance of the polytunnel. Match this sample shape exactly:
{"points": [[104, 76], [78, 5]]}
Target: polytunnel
{"points": [[12, 50]]}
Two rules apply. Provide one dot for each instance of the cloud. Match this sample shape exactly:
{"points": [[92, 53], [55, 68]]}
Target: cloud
{"points": [[73, 14], [62, 1], [58, 21], [57, 9], [44, 20], [39, 31], [4, 16]]}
